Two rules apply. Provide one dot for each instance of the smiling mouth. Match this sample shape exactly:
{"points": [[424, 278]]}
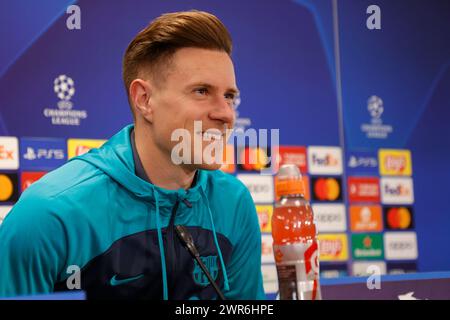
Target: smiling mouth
{"points": [[211, 135]]}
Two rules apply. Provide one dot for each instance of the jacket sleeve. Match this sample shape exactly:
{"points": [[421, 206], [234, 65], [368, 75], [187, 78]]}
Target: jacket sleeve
{"points": [[244, 270], [32, 248]]}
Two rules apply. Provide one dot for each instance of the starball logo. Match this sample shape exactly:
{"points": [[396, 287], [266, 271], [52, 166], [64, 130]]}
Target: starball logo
{"points": [[376, 129], [65, 115]]}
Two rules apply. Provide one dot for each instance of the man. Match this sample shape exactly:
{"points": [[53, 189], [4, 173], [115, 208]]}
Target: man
{"points": [[113, 212]]}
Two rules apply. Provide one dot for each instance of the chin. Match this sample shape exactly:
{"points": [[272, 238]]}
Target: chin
{"points": [[210, 167]]}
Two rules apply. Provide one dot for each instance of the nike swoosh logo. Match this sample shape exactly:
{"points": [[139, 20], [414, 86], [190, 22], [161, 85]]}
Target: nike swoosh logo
{"points": [[117, 282]]}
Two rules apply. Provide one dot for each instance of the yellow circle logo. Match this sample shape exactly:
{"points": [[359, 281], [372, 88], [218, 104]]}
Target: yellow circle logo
{"points": [[6, 187], [333, 189]]}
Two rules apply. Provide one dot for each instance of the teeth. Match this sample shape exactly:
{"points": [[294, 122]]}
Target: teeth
{"points": [[210, 136]]}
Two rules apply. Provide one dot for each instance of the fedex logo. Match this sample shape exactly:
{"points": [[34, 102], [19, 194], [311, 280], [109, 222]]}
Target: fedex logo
{"points": [[42, 153], [397, 191], [9, 150], [325, 160], [6, 154]]}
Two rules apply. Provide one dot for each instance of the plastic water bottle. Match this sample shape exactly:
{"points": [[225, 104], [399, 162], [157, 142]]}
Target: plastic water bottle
{"points": [[294, 235]]}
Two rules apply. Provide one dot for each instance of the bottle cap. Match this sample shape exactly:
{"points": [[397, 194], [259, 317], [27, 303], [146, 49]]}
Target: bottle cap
{"points": [[289, 181]]}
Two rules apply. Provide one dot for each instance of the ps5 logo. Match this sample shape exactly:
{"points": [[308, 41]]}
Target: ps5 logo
{"points": [[47, 154], [366, 162]]}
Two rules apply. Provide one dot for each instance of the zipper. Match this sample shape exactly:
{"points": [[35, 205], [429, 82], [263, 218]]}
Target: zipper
{"points": [[171, 242], [173, 249]]}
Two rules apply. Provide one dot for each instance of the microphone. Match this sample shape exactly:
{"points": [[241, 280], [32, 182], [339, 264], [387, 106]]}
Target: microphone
{"points": [[188, 242]]}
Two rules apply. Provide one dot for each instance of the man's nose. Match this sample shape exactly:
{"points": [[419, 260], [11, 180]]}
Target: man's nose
{"points": [[223, 111]]}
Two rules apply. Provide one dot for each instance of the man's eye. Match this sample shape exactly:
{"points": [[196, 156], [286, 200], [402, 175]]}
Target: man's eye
{"points": [[202, 91], [229, 96]]}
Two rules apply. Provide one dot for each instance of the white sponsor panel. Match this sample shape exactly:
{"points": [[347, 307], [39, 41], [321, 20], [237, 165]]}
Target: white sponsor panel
{"points": [[362, 268], [397, 190], [325, 160], [9, 153], [270, 278], [400, 246], [4, 210], [330, 217], [260, 187], [267, 249]]}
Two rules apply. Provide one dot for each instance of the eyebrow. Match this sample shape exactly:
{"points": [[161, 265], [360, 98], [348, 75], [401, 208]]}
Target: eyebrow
{"points": [[210, 86]]}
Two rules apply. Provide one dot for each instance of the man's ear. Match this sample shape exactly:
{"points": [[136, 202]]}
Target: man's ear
{"points": [[140, 93]]}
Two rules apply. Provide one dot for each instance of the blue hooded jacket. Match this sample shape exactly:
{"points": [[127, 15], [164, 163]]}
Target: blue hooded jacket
{"points": [[94, 213]]}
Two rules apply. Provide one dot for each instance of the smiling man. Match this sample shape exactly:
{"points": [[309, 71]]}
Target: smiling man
{"points": [[106, 222]]}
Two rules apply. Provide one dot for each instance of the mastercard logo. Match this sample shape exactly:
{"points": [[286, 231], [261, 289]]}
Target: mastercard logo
{"points": [[399, 218], [253, 159], [8, 187], [327, 189]]}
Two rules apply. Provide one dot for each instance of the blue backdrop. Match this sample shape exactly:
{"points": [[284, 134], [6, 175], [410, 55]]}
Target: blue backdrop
{"points": [[294, 59]]}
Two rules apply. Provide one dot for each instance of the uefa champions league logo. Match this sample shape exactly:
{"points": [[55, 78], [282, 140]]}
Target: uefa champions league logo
{"points": [[376, 129], [375, 107], [64, 88]]}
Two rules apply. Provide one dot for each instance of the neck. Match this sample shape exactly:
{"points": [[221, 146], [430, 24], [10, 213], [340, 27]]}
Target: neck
{"points": [[157, 164]]}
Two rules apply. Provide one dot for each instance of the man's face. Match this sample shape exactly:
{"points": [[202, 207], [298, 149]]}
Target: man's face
{"points": [[200, 86]]}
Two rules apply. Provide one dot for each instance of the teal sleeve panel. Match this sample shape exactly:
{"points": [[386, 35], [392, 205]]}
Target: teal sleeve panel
{"points": [[244, 269], [32, 248]]}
